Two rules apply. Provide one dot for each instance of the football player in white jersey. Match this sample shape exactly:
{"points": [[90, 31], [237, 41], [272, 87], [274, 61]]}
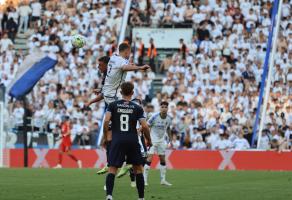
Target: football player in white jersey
{"points": [[117, 69], [160, 126]]}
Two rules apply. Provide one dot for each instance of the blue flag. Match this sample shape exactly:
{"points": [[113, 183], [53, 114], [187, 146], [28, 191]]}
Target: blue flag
{"points": [[30, 72]]}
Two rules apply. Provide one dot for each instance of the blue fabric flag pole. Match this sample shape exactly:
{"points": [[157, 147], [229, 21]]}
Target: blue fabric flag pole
{"points": [[266, 68]]}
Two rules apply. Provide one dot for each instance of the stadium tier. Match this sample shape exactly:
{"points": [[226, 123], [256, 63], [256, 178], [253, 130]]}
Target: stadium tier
{"points": [[161, 92], [206, 60]]}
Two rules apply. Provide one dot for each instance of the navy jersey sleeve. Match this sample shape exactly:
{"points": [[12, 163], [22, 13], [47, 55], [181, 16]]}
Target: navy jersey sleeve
{"points": [[110, 108], [140, 113]]}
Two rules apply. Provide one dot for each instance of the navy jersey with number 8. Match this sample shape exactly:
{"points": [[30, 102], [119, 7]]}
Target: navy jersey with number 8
{"points": [[124, 118]]}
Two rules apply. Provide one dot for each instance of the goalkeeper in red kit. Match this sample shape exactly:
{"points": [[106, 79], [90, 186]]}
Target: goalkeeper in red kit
{"points": [[66, 143]]}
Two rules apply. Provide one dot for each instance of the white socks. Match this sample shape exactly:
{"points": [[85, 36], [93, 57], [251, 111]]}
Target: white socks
{"points": [[146, 172], [109, 197], [162, 172]]}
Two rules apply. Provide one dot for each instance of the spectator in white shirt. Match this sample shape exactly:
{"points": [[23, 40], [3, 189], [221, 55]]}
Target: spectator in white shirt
{"points": [[155, 18], [240, 143], [212, 138], [17, 114], [168, 88], [5, 42], [288, 136], [84, 129], [223, 143], [174, 143], [265, 140], [171, 5], [180, 10], [36, 7], [177, 18], [14, 15], [24, 12], [199, 144], [251, 19]]}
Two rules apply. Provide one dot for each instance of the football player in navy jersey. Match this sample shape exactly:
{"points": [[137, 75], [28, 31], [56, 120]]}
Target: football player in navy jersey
{"points": [[124, 115]]}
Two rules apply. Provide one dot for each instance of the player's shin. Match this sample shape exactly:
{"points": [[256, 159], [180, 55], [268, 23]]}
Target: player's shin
{"points": [[140, 185], [162, 171], [108, 146], [110, 182], [73, 157], [146, 171], [132, 175], [105, 168]]}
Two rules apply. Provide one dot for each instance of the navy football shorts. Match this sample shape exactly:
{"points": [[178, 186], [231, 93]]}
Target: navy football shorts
{"points": [[121, 151]]}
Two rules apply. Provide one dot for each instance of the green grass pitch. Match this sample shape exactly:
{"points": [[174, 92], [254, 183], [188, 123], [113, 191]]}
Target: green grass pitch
{"points": [[84, 184]]}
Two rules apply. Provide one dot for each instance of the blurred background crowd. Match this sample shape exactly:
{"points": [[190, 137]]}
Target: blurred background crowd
{"points": [[212, 83]]}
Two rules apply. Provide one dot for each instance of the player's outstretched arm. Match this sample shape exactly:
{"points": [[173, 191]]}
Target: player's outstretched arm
{"points": [[146, 131], [97, 99], [132, 67]]}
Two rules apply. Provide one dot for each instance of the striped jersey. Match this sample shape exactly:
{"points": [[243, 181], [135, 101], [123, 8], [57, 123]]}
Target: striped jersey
{"points": [[115, 75]]}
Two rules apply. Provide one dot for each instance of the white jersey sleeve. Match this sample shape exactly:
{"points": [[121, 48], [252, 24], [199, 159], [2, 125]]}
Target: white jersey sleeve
{"points": [[158, 127], [115, 75], [148, 115], [152, 119]]}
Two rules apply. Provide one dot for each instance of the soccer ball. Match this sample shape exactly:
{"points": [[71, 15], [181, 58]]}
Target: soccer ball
{"points": [[78, 41]]}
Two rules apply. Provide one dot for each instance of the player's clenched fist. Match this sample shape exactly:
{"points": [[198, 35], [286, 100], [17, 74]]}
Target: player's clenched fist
{"points": [[145, 67]]}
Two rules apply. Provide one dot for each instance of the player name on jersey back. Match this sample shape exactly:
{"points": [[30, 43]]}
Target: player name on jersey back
{"points": [[126, 108], [123, 110]]}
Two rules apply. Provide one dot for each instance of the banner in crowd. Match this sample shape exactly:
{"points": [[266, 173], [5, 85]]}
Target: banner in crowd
{"points": [[166, 38], [176, 159]]}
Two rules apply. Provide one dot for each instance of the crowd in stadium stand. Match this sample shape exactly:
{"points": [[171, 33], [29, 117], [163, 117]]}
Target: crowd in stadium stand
{"points": [[65, 89], [212, 83]]}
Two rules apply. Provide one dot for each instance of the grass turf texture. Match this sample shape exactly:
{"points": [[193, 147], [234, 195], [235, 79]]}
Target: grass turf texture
{"points": [[84, 184]]}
